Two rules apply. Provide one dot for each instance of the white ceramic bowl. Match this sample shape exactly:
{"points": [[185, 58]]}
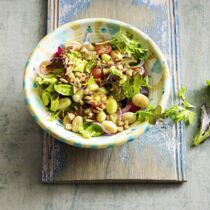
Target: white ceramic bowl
{"points": [[93, 30]]}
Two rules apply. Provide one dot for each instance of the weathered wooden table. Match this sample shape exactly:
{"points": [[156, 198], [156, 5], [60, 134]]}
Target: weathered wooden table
{"points": [[157, 156], [21, 27]]}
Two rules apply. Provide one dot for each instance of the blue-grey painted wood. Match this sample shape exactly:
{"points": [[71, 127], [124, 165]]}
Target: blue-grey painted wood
{"points": [[160, 154]]}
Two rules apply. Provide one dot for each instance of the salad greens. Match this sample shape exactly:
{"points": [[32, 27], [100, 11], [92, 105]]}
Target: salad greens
{"points": [[91, 81], [88, 130], [121, 42], [90, 65], [132, 86], [46, 80], [178, 113], [185, 102], [58, 71], [103, 88], [150, 114], [208, 82], [54, 104], [46, 97], [175, 112], [64, 89]]}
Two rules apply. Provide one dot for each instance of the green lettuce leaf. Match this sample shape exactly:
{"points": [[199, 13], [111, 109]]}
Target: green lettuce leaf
{"points": [[150, 114], [80, 65], [185, 102], [116, 72], [132, 86], [50, 88], [88, 130], [64, 89], [45, 80], [133, 47], [54, 104], [55, 115], [204, 130], [89, 66], [58, 71], [208, 82], [178, 113], [45, 97], [91, 81]]}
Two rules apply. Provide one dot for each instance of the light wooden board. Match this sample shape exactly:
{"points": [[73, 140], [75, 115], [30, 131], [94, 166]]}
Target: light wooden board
{"points": [[159, 155]]}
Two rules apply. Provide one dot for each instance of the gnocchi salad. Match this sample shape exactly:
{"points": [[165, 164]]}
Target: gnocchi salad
{"points": [[96, 89]]}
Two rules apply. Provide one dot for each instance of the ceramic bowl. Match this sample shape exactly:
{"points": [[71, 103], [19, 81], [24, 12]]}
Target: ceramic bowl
{"points": [[93, 30]]}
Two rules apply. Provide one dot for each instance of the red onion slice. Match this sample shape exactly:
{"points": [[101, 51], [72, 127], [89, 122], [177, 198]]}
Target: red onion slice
{"points": [[120, 114], [58, 53], [139, 65], [127, 108]]}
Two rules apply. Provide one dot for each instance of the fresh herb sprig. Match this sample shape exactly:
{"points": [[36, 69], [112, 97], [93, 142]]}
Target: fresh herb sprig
{"points": [[177, 113], [128, 44]]}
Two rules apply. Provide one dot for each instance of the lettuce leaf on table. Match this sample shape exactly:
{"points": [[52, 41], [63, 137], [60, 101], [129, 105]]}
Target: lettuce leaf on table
{"points": [[204, 131], [185, 102], [176, 112]]}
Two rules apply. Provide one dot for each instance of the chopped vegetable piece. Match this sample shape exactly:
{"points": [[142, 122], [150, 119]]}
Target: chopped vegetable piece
{"points": [[89, 66], [46, 98], [45, 80], [132, 87], [150, 114], [106, 57], [77, 97], [54, 104], [80, 65], [97, 73], [58, 53], [64, 89], [58, 71], [103, 48], [50, 88], [64, 103], [88, 130]]}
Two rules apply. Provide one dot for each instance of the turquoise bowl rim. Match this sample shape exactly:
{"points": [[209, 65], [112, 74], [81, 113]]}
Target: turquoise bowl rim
{"points": [[133, 133]]}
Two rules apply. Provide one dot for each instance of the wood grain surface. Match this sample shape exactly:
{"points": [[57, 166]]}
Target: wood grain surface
{"points": [[159, 155], [22, 25]]}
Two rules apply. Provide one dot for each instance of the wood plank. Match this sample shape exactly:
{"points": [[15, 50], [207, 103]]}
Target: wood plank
{"points": [[156, 156]]}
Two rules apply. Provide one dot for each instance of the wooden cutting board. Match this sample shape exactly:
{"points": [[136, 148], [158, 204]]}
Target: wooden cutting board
{"points": [[159, 155]]}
